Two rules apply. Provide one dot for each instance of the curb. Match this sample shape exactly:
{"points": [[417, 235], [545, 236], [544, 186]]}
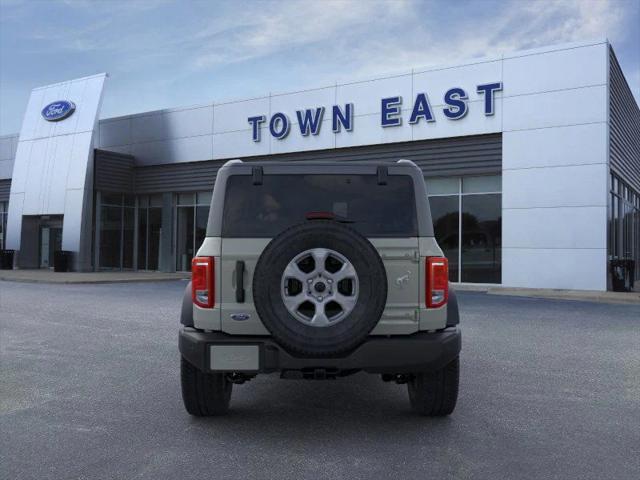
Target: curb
{"points": [[91, 282]]}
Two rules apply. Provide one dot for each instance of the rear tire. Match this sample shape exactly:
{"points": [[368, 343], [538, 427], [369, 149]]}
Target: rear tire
{"points": [[434, 394], [204, 394]]}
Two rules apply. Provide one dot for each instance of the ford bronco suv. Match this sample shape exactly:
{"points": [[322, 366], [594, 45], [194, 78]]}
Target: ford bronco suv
{"points": [[318, 271]]}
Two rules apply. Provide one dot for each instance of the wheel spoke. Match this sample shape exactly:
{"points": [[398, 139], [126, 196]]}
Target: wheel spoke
{"points": [[319, 257], [320, 317], [346, 271], [346, 302], [293, 302], [293, 271]]}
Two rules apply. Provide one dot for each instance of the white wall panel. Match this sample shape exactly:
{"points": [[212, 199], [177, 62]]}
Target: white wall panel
{"points": [[75, 92], [35, 179], [14, 218], [7, 148], [189, 123], [188, 149], [295, 142], [554, 109], [366, 96], [582, 185], [234, 144], [114, 132], [32, 115], [562, 69], [547, 227], [436, 82], [231, 117], [475, 122], [148, 128], [6, 169], [77, 160], [291, 102], [72, 221], [574, 269], [547, 147]]}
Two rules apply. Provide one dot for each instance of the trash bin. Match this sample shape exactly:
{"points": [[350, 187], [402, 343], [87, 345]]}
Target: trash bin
{"points": [[6, 259], [622, 274], [61, 260]]}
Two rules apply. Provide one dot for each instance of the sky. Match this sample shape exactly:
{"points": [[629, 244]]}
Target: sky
{"points": [[162, 53]]}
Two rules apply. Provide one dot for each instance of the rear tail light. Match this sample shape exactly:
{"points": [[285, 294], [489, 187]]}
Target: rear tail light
{"points": [[437, 276], [202, 281]]}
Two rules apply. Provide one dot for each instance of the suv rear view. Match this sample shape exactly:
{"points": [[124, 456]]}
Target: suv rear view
{"points": [[318, 271]]}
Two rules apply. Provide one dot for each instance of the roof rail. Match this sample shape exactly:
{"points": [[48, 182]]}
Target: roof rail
{"points": [[235, 161], [407, 162]]}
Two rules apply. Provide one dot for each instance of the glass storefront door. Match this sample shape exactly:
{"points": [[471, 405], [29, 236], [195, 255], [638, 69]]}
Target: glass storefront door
{"points": [[117, 231], [192, 212], [149, 232]]}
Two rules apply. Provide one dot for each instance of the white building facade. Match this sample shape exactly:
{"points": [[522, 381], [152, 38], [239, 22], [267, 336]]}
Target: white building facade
{"points": [[532, 161]]}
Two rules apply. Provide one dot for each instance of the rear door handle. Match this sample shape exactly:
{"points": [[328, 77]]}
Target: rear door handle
{"points": [[240, 281]]}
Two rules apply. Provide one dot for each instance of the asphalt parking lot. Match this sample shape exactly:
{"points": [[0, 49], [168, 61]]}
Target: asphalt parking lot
{"points": [[89, 388]]}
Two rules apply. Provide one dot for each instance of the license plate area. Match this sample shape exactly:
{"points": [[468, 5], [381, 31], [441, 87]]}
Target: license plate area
{"points": [[234, 358]]}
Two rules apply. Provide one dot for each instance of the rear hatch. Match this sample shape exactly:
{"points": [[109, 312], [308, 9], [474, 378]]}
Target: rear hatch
{"points": [[382, 211]]}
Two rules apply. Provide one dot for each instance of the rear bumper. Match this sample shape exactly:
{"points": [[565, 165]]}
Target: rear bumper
{"points": [[396, 354]]}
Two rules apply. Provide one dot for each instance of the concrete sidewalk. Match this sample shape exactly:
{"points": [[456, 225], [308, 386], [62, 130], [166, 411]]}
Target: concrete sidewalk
{"points": [[580, 295], [49, 276]]}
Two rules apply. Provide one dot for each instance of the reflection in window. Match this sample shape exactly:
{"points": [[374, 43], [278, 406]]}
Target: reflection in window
{"points": [[149, 232], [481, 238], [624, 223], [116, 231], [445, 215], [192, 213], [467, 221]]}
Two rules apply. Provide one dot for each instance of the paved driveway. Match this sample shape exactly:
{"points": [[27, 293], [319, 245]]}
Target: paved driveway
{"points": [[90, 389]]}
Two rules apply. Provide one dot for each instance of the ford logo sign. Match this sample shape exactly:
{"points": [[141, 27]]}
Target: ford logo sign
{"points": [[240, 317], [56, 111]]}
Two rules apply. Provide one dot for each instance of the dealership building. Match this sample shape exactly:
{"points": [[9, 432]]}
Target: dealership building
{"points": [[532, 161]]}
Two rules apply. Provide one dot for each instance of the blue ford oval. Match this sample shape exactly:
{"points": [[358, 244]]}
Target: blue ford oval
{"points": [[59, 110]]}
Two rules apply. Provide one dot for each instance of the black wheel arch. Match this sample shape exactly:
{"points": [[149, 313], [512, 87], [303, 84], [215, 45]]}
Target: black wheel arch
{"points": [[453, 312], [186, 313]]}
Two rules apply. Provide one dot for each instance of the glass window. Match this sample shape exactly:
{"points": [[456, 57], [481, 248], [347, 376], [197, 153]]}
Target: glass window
{"points": [[484, 184], [4, 207], [155, 200], [128, 229], [142, 237], [204, 198], [154, 236], [468, 226], [117, 227], [481, 242], [186, 199], [111, 199], [185, 238], [443, 186], [283, 200], [192, 214], [446, 221], [110, 236]]}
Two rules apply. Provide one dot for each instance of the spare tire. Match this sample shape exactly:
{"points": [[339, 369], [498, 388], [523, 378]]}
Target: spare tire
{"points": [[319, 287]]}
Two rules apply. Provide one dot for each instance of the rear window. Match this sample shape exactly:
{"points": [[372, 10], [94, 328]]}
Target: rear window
{"points": [[285, 200]]}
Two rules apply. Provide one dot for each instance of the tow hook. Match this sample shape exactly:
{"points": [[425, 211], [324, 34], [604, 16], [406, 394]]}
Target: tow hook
{"points": [[238, 378], [399, 378]]}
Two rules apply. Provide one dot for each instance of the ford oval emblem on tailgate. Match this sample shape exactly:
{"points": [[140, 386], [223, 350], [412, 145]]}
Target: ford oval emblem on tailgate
{"points": [[56, 111], [240, 317]]}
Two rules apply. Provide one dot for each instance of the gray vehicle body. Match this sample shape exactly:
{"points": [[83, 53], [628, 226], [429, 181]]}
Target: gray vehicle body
{"points": [[235, 321]]}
